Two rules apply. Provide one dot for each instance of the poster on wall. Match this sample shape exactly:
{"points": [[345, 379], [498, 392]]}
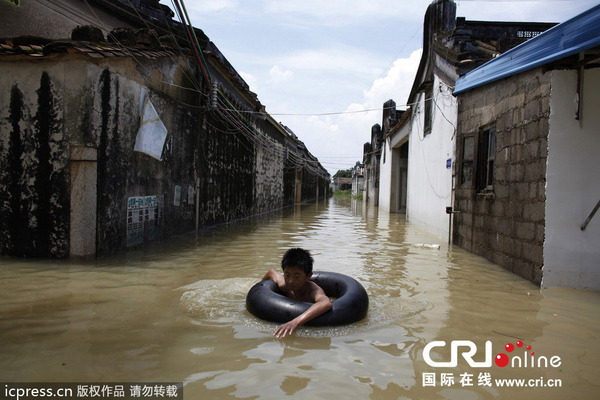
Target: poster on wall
{"points": [[150, 218], [135, 220], [142, 219], [152, 133]]}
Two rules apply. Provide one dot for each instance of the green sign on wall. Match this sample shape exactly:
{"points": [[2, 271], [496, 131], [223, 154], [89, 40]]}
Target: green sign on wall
{"points": [[15, 2]]}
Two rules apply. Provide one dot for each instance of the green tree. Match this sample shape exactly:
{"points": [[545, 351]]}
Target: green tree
{"points": [[343, 173]]}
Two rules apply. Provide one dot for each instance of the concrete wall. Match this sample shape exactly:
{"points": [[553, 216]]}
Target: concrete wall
{"points": [[358, 181], [572, 256], [507, 224], [372, 156], [34, 159], [385, 176], [429, 178], [72, 184], [393, 172], [269, 179]]}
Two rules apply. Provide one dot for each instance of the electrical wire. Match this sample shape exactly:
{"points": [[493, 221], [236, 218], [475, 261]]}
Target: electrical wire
{"points": [[193, 43], [197, 43], [225, 108], [192, 78], [126, 50]]}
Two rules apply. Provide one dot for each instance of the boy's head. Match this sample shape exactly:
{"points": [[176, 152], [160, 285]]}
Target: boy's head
{"points": [[298, 258]]}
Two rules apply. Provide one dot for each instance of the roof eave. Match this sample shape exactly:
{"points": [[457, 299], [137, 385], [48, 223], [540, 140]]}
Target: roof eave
{"points": [[574, 36]]}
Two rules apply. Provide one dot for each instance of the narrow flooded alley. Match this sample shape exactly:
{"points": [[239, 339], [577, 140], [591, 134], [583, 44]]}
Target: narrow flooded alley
{"points": [[175, 312]]}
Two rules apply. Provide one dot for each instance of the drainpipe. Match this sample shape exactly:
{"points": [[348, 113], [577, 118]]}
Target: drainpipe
{"points": [[450, 211]]}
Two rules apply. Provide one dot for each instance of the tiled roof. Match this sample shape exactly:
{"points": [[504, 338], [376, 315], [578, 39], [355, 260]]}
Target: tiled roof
{"points": [[95, 50]]}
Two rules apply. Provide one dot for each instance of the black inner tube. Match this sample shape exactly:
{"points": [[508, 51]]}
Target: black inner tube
{"points": [[350, 304]]}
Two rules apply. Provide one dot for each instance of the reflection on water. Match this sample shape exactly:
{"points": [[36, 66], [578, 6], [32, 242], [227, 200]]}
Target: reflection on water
{"points": [[175, 312]]}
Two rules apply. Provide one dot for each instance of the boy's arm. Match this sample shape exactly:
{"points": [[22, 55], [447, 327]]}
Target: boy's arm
{"points": [[274, 276], [322, 305]]}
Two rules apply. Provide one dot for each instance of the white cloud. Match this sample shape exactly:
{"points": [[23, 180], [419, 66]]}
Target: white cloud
{"points": [[396, 84], [344, 12], [315, 56], [339, 59], [337, 140], [278, 75]]}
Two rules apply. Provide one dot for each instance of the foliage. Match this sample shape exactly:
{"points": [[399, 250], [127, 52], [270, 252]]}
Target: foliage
{"points": [[343, 173], [347, 194]]}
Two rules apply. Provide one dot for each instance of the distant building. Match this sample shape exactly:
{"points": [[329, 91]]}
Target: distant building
{"points": [[358, 179], [371, 160]]}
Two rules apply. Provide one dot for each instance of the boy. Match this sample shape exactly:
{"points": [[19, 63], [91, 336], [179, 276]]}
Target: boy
{"points": [[297, 267]]}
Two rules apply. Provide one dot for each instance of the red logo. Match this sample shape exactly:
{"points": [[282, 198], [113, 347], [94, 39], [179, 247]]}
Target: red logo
{"points": [[527, 360]]}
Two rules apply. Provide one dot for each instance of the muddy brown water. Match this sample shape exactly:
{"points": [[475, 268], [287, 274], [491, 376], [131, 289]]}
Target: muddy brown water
{"points": [[174, 312]]}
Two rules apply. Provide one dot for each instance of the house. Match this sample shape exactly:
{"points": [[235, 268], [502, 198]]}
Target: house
{"points": [[358, 179], [115, 136], [371, 160], [56, 19], [393, 162], [451, 47], [527, 168], [411, 167], [342, 183]]}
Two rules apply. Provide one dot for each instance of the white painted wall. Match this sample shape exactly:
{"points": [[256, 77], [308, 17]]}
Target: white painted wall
{"points": [[429, 181], [572, 256], [385, 176], [388, 169]]}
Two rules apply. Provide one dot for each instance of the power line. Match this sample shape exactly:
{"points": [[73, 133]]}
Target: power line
{"points": [[327, 113], [225, 109]]}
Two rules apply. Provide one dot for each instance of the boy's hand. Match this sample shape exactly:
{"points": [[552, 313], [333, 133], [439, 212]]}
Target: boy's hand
{"points": [[286, 329], [322, 304]]}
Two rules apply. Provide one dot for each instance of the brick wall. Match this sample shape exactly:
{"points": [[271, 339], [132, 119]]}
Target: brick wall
{"points": [[506, 224]]}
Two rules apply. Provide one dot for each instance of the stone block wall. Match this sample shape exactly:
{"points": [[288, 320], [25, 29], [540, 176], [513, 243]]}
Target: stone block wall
{"points": [[71, 183], [269, 178], [506, 225]]}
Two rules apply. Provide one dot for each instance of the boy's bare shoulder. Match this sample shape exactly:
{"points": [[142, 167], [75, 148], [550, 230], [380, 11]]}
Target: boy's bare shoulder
{"points": [[315, 289]]}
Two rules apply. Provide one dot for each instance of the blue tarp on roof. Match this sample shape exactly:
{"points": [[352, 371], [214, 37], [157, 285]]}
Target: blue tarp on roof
{"points": [[578, 34]]}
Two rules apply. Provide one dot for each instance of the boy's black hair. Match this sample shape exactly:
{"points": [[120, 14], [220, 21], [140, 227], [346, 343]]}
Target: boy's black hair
{"points": [[298, 258]]}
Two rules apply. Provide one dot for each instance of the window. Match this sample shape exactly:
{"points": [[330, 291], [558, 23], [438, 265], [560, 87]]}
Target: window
{"points": [[486, 153], [428, 110], [468, 151], [478, 156]]}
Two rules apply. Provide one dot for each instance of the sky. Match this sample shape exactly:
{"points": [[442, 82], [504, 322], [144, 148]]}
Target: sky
{"points": [[324, 68]]}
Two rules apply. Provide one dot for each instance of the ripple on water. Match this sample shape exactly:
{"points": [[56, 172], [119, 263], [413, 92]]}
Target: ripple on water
{"points": [[221, 302]]}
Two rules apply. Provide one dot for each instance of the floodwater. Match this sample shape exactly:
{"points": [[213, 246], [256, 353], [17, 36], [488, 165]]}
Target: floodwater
{"points": [[174, 312]]}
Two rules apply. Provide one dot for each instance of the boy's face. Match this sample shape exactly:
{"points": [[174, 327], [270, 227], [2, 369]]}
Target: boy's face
{"points": [[295, 278]]}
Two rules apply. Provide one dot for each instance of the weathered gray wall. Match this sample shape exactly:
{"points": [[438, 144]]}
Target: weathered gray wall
{"points": [[507, 226], [33, 168], [57, 111], [269, 179]]}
